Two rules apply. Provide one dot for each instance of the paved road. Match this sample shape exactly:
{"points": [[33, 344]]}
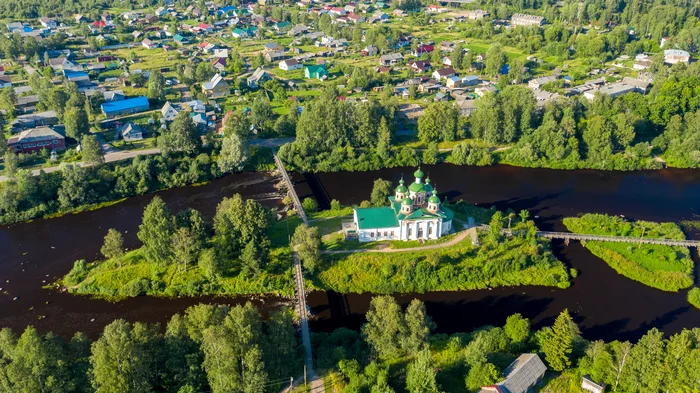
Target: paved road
{"points": [[111, 156]]}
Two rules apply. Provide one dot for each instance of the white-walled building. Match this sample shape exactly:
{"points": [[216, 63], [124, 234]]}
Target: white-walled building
{"points": [[414, 212]]}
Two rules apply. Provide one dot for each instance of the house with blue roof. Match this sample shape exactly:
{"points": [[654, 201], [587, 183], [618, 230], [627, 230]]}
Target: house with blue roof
{"points": [[125, 107]]}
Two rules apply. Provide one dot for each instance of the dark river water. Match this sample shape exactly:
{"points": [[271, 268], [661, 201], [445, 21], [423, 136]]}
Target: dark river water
{"points": [[605, 304]]}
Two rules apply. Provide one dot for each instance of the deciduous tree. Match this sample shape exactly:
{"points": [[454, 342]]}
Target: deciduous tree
{"points": [[113, 246], [156, 231]]}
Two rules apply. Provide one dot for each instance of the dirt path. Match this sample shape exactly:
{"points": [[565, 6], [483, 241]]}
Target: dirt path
{"points": [[460, 236]]}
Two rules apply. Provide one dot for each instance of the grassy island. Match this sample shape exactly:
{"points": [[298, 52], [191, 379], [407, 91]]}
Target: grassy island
{"points": [[245, 251], [668, 268]]}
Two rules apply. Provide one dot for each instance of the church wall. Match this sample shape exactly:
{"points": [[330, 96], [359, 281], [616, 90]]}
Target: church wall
{"points": [[371, 235]]}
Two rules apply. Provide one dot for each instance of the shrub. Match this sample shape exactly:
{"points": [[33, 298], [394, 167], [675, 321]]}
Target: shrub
{"points": [[309, 205], [77, 274], [135, 287], [694, 297]]}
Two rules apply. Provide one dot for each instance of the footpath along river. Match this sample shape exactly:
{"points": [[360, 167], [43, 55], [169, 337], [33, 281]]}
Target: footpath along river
{"points": [[605, 304]]}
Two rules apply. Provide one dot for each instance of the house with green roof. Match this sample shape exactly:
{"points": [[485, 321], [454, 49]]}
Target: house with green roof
{"points": [[413, 213], [316, 72]]}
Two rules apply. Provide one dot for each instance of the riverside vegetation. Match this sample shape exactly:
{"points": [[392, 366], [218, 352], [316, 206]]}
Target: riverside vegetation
{"points": [[668, 268], [243, 251], [224, 349]]}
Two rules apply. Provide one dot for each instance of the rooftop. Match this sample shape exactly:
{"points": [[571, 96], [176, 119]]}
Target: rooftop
{"points": [[376, 217]]}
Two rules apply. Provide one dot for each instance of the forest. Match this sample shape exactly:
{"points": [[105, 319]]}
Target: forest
{"points": [[399, 349]]}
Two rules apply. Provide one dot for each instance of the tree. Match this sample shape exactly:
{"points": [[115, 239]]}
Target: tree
{"points": [[481, 374], [250, 259], [221, 360], [156, 231], [307, 242], [254, 374], [558, 342], [418, 327], [238, 124], [440, 121], [496, 225], [37, 364], [236, 223], [380, 192], [420, 376], [385, 326], [383, 139], [91, 150], [309, 205], [517, 328], [181, 136], [235, 152], [430, 155], [261, 113], [156, 86], [3, 144], [76, 121], [495, 60], [10, 163], [113, 247], [185, 248], [210, 265], [118, 361], [8, 100]]}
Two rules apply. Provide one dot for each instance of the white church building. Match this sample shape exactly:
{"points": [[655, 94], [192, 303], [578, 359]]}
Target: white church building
{"points": [[413, 213]]}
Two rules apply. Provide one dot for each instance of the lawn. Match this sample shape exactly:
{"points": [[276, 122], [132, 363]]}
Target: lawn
{"points": [[116, 279], [512, 262], [668, 268]]}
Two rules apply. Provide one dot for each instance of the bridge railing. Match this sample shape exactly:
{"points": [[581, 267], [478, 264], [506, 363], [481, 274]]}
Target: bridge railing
{"points": [[619, 239]]}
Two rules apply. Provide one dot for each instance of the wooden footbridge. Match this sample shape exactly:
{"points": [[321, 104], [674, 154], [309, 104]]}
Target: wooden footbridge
{"points": [[316, 383], [567, 236]]}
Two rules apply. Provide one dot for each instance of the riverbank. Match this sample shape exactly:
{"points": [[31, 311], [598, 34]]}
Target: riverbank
{"points": [[668, 268], [80, 188]]}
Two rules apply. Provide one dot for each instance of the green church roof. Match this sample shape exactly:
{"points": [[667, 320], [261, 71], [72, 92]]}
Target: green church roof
{"points": [[427, 187], [401, 188], [418, 173], [434, 198], [416, 187], [376, 217], [407, 201]]}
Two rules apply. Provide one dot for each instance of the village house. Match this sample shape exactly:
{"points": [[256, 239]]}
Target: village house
{"points": [[22, 122], [420, 65], [444, 73], [290, 64], [390, 59], [35, 139], [591, 386], [470, 80], [216, 87], [537, 83], [297, 30], [414, 213], [477, 14], [316, 72], [129, 132], [148, 44], [521, 376], [453, 82], [125, 107], [526, 20], [113, 95], [369, 50], [257, 77], [673, 56], [275, 55], [5, 81], [484, 89], [48, 23], [219, 64], [168, 112], [423, 50]]}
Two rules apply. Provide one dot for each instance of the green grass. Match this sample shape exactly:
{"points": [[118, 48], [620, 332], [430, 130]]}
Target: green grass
{"points": [[668, 268], [694, 297], [111, 278], [459, 267]]}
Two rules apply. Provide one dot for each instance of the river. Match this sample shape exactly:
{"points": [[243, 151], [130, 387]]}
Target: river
{"points": [[605, 304]]}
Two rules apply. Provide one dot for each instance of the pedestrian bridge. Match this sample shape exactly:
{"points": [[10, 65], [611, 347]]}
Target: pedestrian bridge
{"points": [[618, 239]]}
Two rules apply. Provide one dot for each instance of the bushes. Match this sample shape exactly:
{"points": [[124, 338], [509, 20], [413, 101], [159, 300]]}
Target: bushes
{"points": [[694, 297], [136, 287], [77, 274], [458, 267]]}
